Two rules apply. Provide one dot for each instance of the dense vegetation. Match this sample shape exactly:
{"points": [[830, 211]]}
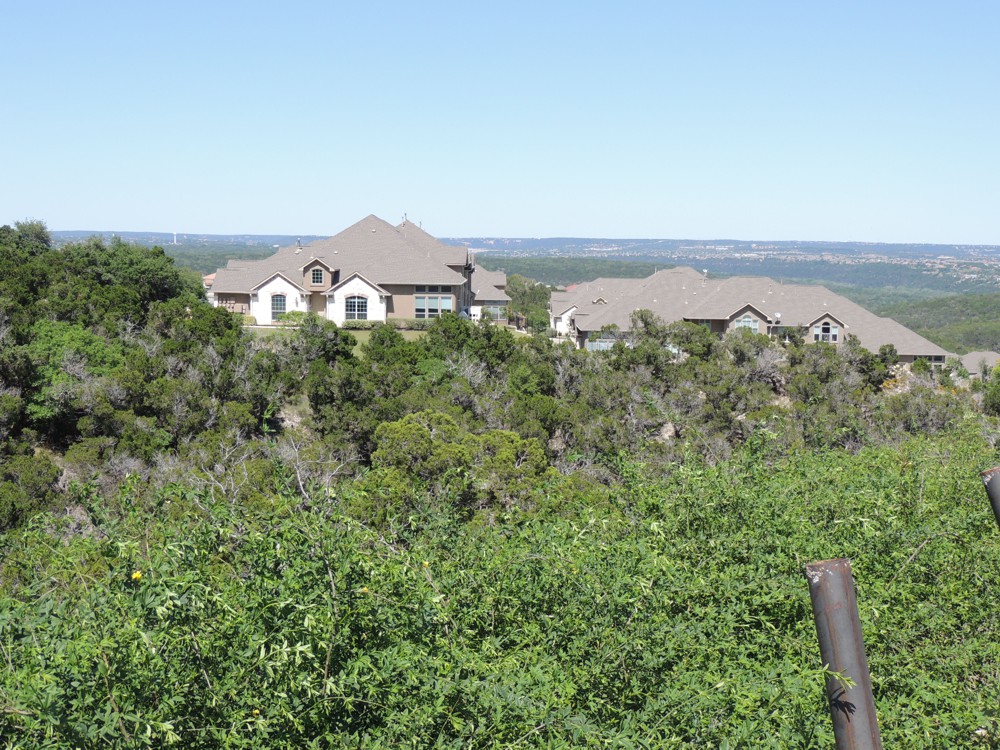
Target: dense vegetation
{"points": [[960, 323], [563, 271], [469, 539], [529, 299]]}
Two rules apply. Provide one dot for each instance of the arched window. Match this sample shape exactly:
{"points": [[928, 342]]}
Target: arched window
{"points": [[826, 332], [356, 308], [277, 306], [748, 321]]}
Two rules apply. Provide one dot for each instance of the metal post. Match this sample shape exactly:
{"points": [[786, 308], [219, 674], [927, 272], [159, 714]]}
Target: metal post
{"points": [[842, 648], [991, 480]]}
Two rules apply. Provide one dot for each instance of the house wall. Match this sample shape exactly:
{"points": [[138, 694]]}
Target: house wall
{"points": [[735, 321], [403, 302], [260, 303], [238, 303], [476, 310], [463, 299], [329, 277], [837, 333], [403, 305], [562, 323], [933, 359], [336, 309]]}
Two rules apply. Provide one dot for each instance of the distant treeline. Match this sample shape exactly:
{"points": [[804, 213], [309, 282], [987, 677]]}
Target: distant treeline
{"points": [[868, 275], [209, 258], [565, 271], [201, 253], [962, 322]]}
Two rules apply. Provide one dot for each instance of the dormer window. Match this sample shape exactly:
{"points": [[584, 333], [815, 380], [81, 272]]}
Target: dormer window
{"points": [[826, 332], [748, 321], [317, 276]]}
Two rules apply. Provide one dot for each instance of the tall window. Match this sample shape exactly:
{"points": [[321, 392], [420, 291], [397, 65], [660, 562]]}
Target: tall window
{"points": [[748, 321], [495, 312], [826, 332], [317, 276], [277, 306], [432, 301], [356, 308]]}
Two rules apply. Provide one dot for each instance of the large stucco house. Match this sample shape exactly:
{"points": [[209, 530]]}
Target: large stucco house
{"points": [[761, 304], [370, 271]]}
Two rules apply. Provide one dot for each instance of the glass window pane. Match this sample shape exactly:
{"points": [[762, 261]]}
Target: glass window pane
{"points": [[277, 306]]}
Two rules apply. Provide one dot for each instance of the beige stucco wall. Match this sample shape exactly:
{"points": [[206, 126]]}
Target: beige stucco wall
{"points": [[401, 303], [307, 277], [239, 303], [761, 322]]}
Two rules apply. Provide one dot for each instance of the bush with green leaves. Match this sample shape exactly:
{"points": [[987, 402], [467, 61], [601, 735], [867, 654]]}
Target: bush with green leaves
{"points": [[676, 616]]}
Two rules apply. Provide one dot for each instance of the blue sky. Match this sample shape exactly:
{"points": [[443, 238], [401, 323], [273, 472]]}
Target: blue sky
{"points": [[867, 121]]}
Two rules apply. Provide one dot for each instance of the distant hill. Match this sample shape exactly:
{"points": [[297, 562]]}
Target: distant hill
{"points": [[645, 248], [203, 253], [959, 323], [163, 239]]}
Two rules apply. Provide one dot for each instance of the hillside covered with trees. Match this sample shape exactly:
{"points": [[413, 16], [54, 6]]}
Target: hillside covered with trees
{"points": [[469, 539]]}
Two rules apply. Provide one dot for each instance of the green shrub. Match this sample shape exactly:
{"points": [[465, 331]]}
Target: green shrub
{"points": [[675, 616]]}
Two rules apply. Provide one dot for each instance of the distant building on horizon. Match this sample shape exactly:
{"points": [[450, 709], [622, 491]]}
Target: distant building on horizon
{"points": [[757, 303]]}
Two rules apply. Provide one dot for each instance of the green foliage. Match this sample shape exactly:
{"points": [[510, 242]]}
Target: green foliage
{"points": [[530, 299], [65, 356], [496, 469], [557, 271], [465, 539], [991, 397], [27, 484], [678, 618], [959, 322]]}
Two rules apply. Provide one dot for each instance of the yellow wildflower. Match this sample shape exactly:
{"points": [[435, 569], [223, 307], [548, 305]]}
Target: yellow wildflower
{"points": [[363, 590], [137, 575], [256, 712], [426, 564]]}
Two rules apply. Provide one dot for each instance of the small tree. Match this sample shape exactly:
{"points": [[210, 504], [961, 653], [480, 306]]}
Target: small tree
{"points": [[991, 397]]}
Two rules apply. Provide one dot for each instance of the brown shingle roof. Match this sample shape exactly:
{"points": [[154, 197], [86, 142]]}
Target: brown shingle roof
{"points": [[487, 286], [372, 247], [684, 294], [973, 360]]}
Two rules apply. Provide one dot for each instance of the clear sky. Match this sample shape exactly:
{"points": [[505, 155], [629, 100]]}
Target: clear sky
{"points": [[868, 121]]}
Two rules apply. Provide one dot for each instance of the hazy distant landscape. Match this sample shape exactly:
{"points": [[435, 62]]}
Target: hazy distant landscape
{"points": [[925, 269]]}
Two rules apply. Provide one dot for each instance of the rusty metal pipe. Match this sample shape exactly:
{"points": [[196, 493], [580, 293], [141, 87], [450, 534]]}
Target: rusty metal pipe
{"points": [[991, 480], [842, 648]]}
